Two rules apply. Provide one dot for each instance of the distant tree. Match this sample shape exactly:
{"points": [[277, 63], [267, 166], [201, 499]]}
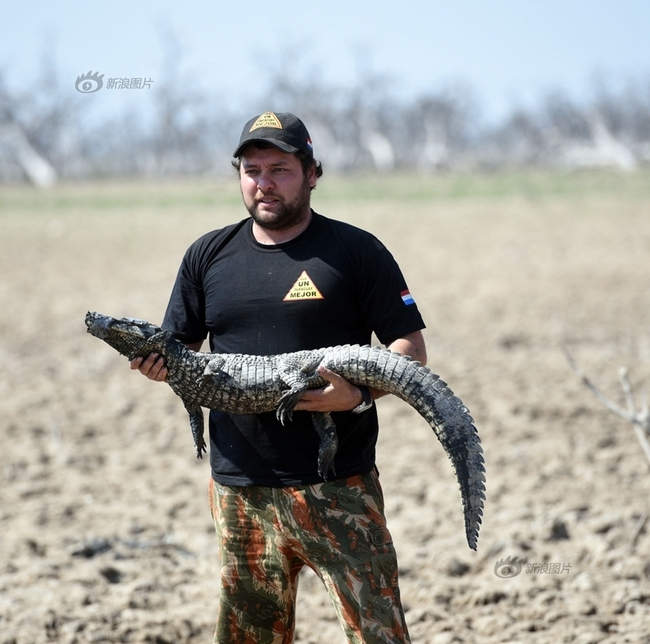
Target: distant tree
{"points": [[46, 131]]}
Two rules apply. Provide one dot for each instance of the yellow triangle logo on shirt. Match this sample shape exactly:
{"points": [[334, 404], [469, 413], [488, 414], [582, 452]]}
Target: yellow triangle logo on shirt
{"points": [[303, 289], [268, 119]]}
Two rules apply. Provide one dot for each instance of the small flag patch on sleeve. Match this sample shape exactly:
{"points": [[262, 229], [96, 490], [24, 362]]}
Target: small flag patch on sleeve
{"points": [[407, 298]]}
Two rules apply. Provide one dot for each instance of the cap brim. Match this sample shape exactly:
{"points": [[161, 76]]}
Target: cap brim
{"points": [[281, 145]]}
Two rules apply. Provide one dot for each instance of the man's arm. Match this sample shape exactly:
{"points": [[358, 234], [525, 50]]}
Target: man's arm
{"points": [[341, 395], [411, 345], [153, 366]]}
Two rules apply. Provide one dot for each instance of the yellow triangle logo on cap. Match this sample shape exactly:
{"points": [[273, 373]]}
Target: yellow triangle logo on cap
{"points": [[303, 289], [268, 119]]}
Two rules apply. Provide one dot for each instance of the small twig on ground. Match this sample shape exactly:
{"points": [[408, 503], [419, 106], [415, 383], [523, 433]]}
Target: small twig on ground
{"points": [[638, 530], [627, 390]]}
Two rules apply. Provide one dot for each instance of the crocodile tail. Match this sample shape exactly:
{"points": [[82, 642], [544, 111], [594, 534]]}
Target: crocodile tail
{"points": [[449, 418]]}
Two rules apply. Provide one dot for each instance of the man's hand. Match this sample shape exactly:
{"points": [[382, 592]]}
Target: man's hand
{"points": [[341, 395], [338, 395], [153, 366]]}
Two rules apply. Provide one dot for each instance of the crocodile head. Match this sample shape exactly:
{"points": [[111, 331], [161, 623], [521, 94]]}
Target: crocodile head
{"points": [[127, 335]]}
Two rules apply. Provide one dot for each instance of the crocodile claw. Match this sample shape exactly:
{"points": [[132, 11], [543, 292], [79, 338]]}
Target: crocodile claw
{"points": [[326, 460], [287, 404]]}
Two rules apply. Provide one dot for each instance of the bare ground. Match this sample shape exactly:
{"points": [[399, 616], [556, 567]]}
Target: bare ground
{"points": [[105, 533]]}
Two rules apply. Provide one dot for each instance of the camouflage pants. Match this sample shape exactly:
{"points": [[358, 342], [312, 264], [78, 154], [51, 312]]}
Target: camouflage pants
{"points": [[336, 528]]}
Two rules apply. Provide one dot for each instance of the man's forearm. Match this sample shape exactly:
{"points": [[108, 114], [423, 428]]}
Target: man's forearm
{"points": [[410, 345]]}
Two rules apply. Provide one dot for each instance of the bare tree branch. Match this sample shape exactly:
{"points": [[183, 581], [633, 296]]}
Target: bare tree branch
{"points": [[640, 420]]}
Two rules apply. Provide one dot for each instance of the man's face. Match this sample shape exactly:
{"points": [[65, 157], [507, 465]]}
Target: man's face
{"points": [[275, 189]]}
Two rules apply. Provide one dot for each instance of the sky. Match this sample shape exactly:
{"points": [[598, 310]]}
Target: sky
{"points": [[510, 52]]}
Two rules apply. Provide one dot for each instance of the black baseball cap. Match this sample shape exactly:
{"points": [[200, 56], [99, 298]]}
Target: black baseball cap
{"points": [[283, 130]]}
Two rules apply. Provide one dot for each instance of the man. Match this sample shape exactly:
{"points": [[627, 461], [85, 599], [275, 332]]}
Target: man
{"points": [[283, 280]]}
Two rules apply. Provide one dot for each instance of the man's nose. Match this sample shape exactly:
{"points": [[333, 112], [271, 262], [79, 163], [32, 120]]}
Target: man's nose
{"points": [[265, 182]]}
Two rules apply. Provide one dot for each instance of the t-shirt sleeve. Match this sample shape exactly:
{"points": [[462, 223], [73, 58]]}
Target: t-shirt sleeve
{"points": [[386, 300], [185, 315]]}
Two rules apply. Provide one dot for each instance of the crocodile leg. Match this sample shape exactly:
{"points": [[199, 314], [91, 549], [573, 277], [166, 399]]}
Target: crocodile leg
{"points": [[298, 377], [213, 368], [288, 402], [329, 442], [197, 424]]}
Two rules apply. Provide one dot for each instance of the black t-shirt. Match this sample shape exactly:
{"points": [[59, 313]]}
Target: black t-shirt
{"points": [[333, 284]]}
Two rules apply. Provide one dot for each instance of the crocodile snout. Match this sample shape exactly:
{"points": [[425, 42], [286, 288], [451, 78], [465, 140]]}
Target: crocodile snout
{"points": [[97, 324]]}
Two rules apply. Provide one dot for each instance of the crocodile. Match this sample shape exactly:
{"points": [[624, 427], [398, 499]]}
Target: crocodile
{"points": [[250, 384]]}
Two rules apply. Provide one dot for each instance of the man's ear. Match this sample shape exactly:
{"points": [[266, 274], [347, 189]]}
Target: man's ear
{"points": [[311, 176]]}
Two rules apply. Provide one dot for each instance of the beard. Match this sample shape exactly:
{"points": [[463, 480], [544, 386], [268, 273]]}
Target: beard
{"points": [[287, 215]]}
